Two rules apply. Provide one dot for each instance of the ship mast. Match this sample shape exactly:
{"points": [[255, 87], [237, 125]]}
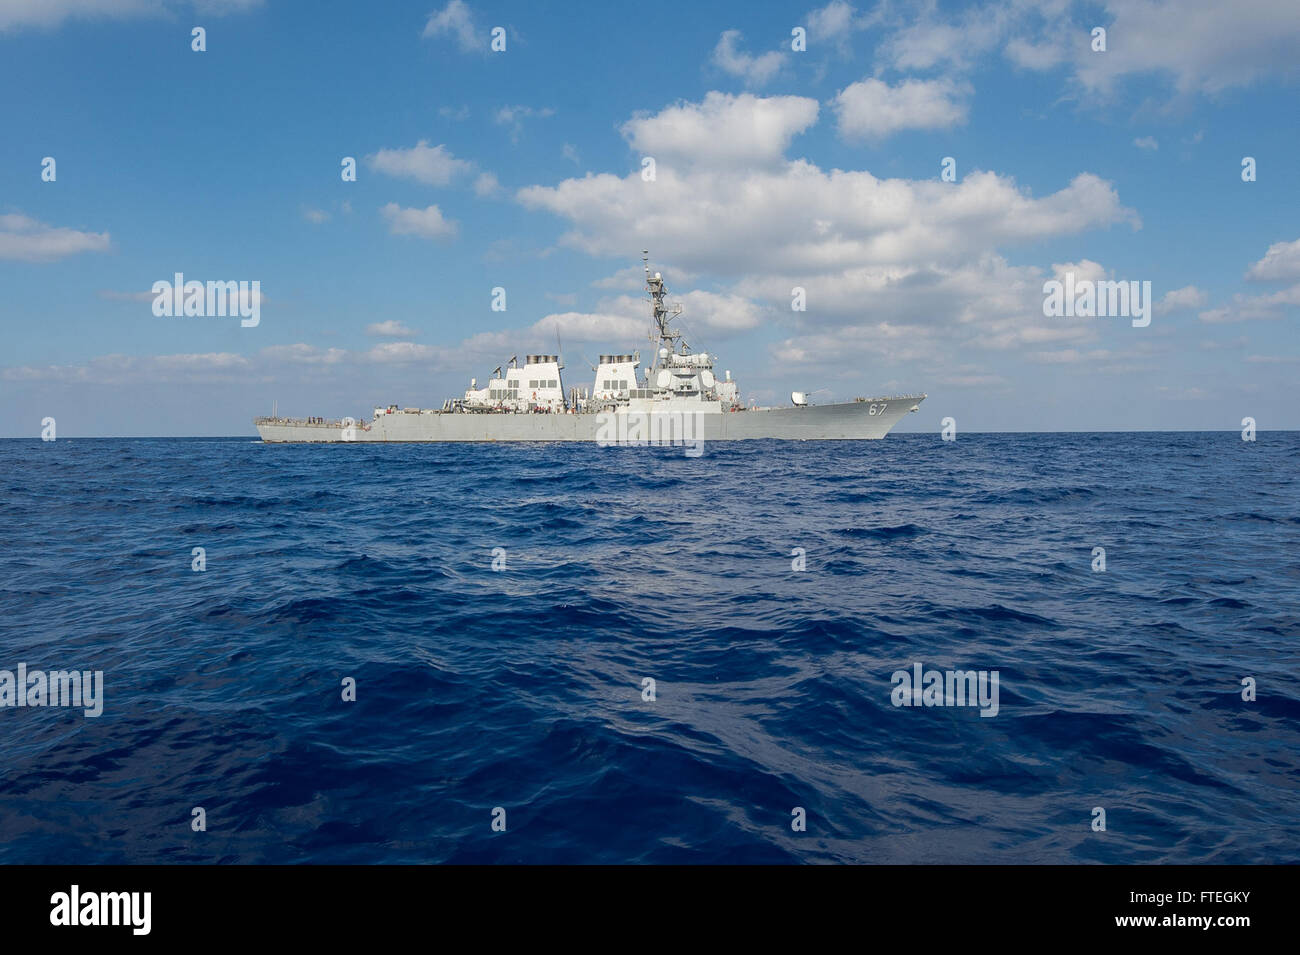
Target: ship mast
{"points": [[663, 313]]}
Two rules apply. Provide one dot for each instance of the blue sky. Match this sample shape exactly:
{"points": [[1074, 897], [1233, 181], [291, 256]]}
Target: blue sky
{"points": [[774, 168]]}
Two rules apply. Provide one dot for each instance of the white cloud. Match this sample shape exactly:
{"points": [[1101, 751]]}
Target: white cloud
{"points": [[856, 344], [833, 25], [1146, 142], [456, 20], [1182, 393], [1085, 270], [801, 220], [113, 296], [1189, 296], [122, 369], [1272, 359], [486, 185], [431, 165], [26, 240], [52, 13], [913, 262], [629, 278], [316, 216], [1071, 356], [724, 130], [570, 152], [209, 360], [927, 42], [507, 115], [426, 223], [712, 313], [1202, 45], [873, 109], [398, 353], [717, 313], [1246, 308], [1280, 263], [609, 328], [616, 323], [1040, 57], [753, 70], [514, 116], [303, 354], [389, 329]]}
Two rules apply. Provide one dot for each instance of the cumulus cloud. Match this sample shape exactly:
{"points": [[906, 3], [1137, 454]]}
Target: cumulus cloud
{"points": [[1030, 55], [1203, 46], [1085, 270], [632, 277], [753, 70], [916, 263], [431, 165], [1189, 296], [26, 240], [617, 322], [801, 220], [51, 13], [611, 329], [873, 109], [926, 41], [1198, 46], [722, 130], [486, 185], [1245, 308], [389, 329], [834, 24], [871, 340], [711, 313], [1280, 263], [399, 353], [456, 20], [427, 223]]}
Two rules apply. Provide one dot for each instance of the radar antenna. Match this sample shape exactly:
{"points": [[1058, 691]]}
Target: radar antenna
{"points": [[663, 313]]}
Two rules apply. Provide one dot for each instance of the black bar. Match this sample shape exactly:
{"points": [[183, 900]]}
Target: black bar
{"points": [[938, 905]]}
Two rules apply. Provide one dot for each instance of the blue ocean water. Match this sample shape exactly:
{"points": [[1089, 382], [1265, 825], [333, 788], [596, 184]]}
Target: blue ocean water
{"points": [[523, 688]]}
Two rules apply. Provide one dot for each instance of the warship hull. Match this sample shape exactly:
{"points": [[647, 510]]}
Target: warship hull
{"points": [[851, 421]]}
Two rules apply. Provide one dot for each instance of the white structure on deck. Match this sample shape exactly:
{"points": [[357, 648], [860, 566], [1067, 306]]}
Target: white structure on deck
{"points": [[536, 387], [679, 380]]}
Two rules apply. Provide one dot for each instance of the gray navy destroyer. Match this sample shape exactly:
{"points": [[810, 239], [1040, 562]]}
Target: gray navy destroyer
{"points": [[675, 398]]}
